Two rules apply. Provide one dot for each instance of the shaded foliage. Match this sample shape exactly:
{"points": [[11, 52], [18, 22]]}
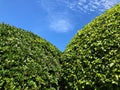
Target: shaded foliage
{"points": [[27, 62], [92, 58]]}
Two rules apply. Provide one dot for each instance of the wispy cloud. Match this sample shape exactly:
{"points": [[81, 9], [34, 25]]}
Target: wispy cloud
{"points": [[79, 5], [59, 24], [58, 18], [90, 5], [59, 15]]}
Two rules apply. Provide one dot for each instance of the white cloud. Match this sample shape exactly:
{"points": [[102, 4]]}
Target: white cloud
{"points": [[60, 24], [58, 18], [78, 5], [90, 5]]}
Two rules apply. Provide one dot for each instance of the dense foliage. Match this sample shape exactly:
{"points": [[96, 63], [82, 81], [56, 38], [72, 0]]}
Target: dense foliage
{"points": [[91, 61], [27, 62]]}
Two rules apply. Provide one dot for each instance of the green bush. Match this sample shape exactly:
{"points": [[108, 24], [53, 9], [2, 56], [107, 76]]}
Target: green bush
{"points": [[27, 62], [91, 61]]}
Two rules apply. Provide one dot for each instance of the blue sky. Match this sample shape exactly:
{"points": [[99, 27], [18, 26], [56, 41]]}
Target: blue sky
{"points": [[57, 21]]}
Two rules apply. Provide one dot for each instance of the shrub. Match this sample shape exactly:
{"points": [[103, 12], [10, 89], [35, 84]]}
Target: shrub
{"points": [[27, 62], [91, 61]]}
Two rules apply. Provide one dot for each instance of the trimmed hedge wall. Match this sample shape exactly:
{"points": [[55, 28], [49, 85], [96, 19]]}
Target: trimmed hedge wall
{"points": [[27, 62], [91, 61]]}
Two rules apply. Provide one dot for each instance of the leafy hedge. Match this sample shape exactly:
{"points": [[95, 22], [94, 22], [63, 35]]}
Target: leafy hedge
{"points": [[27, 62], [91, 61]]}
